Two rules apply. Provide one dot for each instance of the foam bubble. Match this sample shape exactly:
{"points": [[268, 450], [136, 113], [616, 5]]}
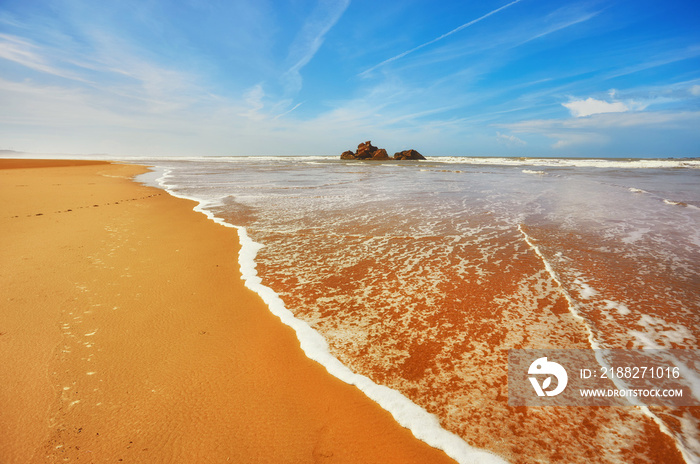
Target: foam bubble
{"points": [[585, 291], [658, 333], [690, 426], [621, 308]]}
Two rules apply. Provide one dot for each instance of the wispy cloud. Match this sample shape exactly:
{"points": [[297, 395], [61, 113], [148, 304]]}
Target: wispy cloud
{"points": [[310, 38], [281, 115], [509, 140], [106, 67], [27, 54], [566, 140], [437, 39], [606, 120], [668, 57], [253, 99], [561, 24]]}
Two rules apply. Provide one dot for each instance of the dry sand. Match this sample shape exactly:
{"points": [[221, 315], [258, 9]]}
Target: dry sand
{"points": [[126, 335]]}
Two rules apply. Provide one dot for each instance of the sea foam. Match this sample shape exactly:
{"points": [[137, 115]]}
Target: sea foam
{"points": [[572, 162], [530, 171], [587, 291], [422, 424]]}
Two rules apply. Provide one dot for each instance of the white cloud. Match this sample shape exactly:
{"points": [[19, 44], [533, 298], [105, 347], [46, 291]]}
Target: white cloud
{"points": [[590, 106], [253, 100], [695, 90], [601, 128]]}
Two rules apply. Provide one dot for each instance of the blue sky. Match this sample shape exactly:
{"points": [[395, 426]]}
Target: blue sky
{"points": [[493, 78]]}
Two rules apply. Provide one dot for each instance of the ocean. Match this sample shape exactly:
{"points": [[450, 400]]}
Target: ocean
{"points": [[413, 279]]}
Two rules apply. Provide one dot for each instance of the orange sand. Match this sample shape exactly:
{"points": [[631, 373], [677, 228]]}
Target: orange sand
{"points": [[126, 335]]}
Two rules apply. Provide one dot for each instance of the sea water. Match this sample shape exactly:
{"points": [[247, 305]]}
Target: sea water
{"points": [[413, 279]]}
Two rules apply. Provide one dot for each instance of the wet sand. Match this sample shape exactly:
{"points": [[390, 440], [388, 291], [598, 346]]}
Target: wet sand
{"points": [[127, 336]]}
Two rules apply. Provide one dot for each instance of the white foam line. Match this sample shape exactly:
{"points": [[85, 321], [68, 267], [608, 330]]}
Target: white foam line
{"points": [[530, 171], [679, 203], [570, 162], [572, 304], [598, 353], [425, 426]]}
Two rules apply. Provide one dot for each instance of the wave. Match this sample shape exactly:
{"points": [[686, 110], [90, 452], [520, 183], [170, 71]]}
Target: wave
{"points": [[574, 162], [529, 171], [675, 203], [422, 424], [665, 200], [621, 163]]}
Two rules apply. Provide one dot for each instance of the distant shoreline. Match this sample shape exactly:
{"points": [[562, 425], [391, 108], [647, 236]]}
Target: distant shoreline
{"points": [[10, 154]]}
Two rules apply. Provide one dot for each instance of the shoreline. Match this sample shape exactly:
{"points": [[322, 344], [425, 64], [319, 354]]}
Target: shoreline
{"points": [[132, 336], [421, 423]]}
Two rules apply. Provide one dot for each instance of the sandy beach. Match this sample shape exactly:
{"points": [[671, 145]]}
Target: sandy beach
{"points": [[127, 335]]}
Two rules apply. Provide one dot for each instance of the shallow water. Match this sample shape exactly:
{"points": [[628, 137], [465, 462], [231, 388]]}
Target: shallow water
{"points": [[421, 275]]}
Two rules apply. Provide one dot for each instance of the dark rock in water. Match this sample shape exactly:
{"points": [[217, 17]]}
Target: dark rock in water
{"points": [[408, 155], [367, 151]]}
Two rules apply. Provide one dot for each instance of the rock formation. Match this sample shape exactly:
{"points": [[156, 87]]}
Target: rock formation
{"points": [[367, 151], [380, 154], [408, 155]]}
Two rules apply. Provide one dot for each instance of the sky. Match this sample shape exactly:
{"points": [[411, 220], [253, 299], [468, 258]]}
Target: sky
{"points": [[536, 78]]}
